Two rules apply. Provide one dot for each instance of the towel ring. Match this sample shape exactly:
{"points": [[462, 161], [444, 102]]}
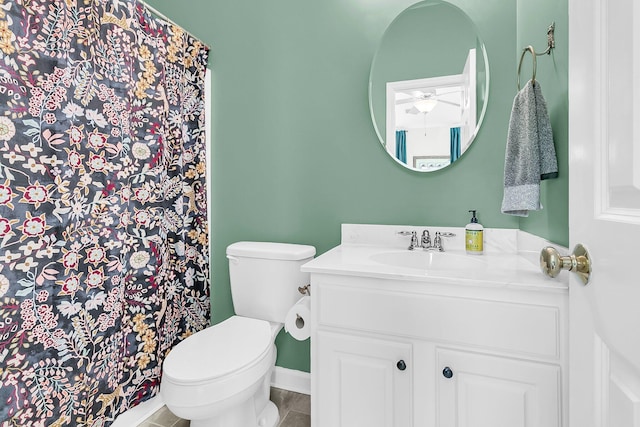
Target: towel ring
{"points": [[551, 44], [535, 65]]}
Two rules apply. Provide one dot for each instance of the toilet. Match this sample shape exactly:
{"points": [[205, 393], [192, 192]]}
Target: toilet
{"points": [[221, 376]]}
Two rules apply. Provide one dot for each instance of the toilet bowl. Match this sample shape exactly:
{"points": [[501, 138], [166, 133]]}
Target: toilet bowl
{"points": [[221, 376]]}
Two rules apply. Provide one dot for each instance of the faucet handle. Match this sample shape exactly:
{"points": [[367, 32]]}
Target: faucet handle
{"points": [[437, 241], [414, 238]]}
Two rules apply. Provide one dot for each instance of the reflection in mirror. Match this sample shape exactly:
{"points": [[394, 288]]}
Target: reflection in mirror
{"points": [[432, 120], [428, 86]]}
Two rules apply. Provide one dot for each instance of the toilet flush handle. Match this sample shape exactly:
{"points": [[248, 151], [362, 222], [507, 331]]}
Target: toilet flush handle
{"points": [[305, 290]]}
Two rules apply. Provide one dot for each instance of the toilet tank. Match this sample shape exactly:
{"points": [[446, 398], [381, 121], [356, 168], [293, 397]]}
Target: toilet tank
{"points": [[265, 277]]}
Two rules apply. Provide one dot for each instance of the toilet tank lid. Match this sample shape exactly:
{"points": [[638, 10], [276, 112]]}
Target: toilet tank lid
{"points": [[271, 250]]}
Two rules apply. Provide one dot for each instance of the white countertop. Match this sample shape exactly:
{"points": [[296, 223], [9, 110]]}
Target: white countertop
{"points": [[516, 266]]}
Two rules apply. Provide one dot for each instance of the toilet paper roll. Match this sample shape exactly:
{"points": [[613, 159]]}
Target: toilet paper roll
{"points": [[298, 320]]}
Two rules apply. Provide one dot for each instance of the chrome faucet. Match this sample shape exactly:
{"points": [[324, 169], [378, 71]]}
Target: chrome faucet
{"points": [[414, 239], [425, 240]]}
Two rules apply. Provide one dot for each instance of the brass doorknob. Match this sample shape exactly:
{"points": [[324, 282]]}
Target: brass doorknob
{"points": [[552, 263]]}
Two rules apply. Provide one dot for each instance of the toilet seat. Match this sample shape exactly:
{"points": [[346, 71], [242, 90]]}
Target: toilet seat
{"points": [[218, 351]]}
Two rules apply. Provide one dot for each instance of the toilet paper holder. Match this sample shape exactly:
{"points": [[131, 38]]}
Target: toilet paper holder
{"points": [[305, 290]]}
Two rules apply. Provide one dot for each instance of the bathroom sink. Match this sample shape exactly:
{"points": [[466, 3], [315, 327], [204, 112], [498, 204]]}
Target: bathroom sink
{"points": [[429, 260]]}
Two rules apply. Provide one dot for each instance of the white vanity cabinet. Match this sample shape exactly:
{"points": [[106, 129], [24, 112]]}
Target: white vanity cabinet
{"points": [[392, 352]]}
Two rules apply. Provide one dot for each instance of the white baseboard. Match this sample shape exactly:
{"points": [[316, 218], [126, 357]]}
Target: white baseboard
{"points": [[292, 380]]}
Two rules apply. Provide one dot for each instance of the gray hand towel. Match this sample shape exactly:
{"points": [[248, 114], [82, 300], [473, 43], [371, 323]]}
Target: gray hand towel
{"points": [[530, 155]]}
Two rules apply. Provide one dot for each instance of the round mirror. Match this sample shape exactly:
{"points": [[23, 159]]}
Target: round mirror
{"points": [[429, 85]]}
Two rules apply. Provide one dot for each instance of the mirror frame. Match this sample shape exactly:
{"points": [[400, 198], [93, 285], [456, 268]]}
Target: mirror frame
{"points": [[382, 115]]}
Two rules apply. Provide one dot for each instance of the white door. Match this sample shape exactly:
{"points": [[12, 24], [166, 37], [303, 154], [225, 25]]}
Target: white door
{"points": [[604, 135]]}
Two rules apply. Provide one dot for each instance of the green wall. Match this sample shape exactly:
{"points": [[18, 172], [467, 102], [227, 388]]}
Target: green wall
{"points": [[294, 151]]}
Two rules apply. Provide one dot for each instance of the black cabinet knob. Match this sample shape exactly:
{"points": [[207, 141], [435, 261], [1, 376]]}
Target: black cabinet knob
{"points": [[401, 365], [447, 372]]}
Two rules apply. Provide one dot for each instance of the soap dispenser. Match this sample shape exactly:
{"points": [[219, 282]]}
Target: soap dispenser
{"points": [[474, 236]]}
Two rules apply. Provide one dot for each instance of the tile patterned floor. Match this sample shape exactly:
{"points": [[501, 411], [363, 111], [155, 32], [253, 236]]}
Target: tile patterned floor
{"points": [[294, 408]]}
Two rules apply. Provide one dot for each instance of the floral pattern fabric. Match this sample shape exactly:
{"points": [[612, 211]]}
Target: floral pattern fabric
{"points": [[104, 265]]}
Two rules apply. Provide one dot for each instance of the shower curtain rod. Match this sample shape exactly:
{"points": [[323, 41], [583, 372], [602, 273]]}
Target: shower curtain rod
{"points": [[168, 20]]}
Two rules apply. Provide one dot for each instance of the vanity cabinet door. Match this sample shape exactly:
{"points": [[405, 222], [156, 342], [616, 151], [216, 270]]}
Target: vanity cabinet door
{"points": [[364, 381], [478, 390]]}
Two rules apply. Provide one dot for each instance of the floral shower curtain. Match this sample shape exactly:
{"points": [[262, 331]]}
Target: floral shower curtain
{"points": [[103, 232]]}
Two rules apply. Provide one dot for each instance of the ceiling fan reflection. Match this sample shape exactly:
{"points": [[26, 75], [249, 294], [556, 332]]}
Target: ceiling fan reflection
{"points": [[425, 102]]}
